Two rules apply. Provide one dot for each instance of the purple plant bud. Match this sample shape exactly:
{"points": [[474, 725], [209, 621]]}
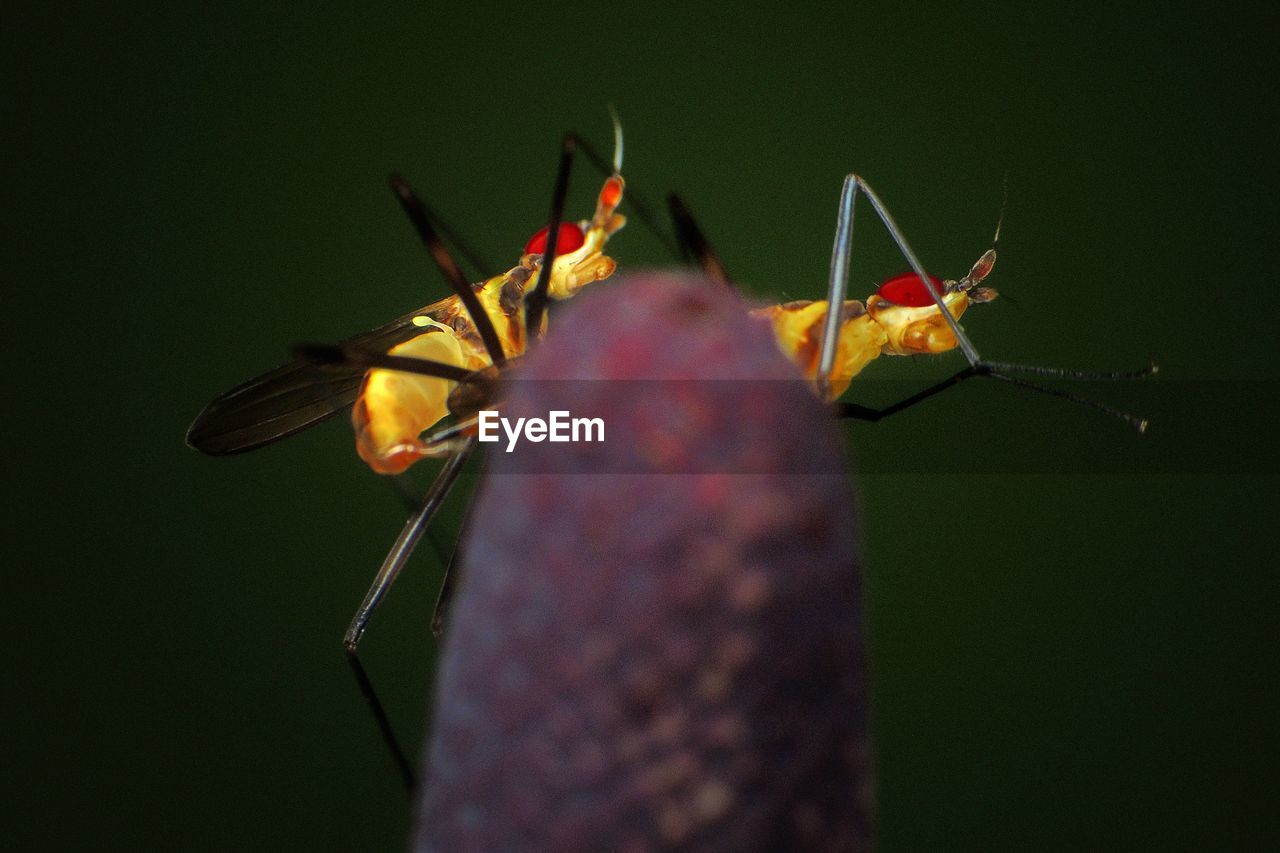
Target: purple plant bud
{"points": [[660, 652]]}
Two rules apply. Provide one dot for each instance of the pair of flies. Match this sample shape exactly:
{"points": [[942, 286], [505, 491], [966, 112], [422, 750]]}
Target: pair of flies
{"points": [[439, 363]]}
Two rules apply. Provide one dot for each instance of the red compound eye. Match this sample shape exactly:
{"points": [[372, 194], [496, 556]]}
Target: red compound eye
{"points": [[908, 290], [570, 240]]}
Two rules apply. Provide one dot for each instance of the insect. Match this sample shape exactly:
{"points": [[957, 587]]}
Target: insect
{"points": [[913, 313], [403, 378], [478, 328]]}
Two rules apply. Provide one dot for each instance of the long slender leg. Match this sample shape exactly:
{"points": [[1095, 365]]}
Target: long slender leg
{"points": [[385, 729], [382, 583], [482, 267], [1138, 423], [444, 598], [417, 213], [410, 499], [694, 244], [338, 355], [839, 282], [452, 575], [535, 303], [866, 413], [995, 368], [838, 286], [405, 544]]}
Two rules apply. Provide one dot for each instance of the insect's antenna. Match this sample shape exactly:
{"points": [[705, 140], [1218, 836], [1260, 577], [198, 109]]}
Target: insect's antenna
{"points": [[634, 200], [536, 302], [1004, 205], [343, 356], [617, 140], [418, 215], [694, 244], [982, 267], [1138, 423]]}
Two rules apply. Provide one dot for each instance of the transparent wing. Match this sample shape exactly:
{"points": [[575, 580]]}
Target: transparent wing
{"points": [[294, 396]]}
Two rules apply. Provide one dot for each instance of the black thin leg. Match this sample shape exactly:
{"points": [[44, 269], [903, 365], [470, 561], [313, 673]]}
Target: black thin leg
{"points": [[405, 543], [866, 413], [380, 717], [1138, 423], [535, 303], [452, 574], [401, 485], [382, 582], [417, 213], [444, 600], [694, 244], [339, 355], [482, 267]]}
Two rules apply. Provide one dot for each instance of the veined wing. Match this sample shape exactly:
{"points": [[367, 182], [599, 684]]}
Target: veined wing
{"points": [[294, 396]]}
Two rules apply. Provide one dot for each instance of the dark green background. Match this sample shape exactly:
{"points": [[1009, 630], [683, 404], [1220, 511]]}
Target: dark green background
{"points": [[1061, 660]]}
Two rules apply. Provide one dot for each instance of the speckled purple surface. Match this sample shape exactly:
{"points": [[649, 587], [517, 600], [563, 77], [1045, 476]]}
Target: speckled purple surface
{"points": [[657, 660]]}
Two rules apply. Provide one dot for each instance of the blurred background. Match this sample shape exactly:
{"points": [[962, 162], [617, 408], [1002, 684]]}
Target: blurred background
{"points": [[1069, 623]]}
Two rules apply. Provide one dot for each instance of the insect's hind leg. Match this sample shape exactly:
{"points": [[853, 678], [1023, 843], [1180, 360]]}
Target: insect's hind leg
{"points": [[410, 500], [382, 582], [405, 543]]}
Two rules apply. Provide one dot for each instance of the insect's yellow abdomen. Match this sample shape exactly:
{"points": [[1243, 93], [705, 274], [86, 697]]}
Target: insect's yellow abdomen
{"points": [[797, 327], [395, 407]]}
